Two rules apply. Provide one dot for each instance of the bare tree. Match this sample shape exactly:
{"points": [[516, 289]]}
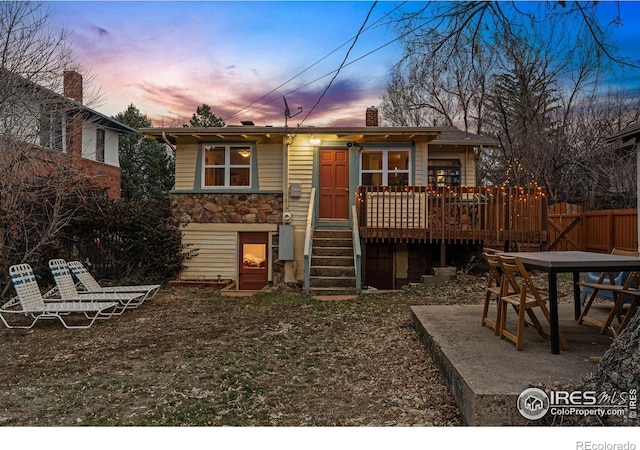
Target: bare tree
{"points": [[40, 194], [543, 104], [520, 103], [600, 173], [445, 88]]}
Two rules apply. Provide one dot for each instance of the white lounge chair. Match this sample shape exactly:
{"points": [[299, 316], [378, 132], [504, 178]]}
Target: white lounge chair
{"points": [[67, 291], [29, 303], [90, 284]]}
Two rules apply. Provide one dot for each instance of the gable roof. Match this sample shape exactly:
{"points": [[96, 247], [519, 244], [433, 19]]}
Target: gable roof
{"points": [[69, 104]]}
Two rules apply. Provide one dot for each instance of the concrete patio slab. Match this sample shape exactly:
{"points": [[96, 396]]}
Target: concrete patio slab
{"points": [[486, 374]]}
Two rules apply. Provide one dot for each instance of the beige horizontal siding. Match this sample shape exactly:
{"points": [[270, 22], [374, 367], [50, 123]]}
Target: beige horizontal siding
{"points": [[422, 154], [186, 166], [215, 254], [270, 167], [300, 171], [215, 247]]}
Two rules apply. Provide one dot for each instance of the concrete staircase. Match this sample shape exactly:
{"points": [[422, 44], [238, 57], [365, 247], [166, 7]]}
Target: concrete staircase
{"points": [[332, 266]]}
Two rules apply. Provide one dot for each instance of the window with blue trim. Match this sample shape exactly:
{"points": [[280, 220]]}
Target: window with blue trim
{"points": [[227, 166]]}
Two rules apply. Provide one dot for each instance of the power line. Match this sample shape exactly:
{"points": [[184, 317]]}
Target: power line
{"points": [[412, 30], [341, 64], [247, 108], [351, 62]]}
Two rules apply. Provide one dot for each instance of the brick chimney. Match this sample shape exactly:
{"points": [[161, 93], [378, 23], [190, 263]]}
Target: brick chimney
{"points": [[73, 85], [372, 117]]}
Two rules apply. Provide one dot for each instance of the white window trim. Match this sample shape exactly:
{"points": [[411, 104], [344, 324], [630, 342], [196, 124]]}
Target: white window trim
{"points": [[227, 166], [51, 128], [385, 163]]}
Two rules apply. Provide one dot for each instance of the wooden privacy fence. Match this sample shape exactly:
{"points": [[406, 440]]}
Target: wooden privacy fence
{"points": [[593, 231]]}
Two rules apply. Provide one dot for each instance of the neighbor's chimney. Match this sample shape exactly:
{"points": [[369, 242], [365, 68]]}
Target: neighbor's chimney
{"points": [[73, 85], [372, 117]]}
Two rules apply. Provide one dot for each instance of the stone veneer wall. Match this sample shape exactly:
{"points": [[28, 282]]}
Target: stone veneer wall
{"points": [[227, 208], [233, 208]]}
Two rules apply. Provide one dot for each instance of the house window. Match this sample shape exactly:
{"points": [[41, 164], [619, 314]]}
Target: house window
{"points": [[100, 145], [444, 172], [227, 165], [385, 168], [52, 130]]}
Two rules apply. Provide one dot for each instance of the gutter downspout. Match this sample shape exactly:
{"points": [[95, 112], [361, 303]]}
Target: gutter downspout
{"points": [[285, 174]]}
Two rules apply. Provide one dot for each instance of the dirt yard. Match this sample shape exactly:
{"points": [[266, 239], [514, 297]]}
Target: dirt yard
{"points": [[192, 357]]}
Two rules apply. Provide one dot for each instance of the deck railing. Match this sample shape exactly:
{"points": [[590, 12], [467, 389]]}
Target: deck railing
{"points": [[453, 214]]}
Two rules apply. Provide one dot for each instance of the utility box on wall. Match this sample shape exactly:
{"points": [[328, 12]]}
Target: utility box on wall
{"points": [[285, 243], [295, 190]]}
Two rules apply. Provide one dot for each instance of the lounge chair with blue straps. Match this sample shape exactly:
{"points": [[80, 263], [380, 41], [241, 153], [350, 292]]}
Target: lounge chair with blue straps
{"points": [[66, 289], [30, 305], [89, 284]]}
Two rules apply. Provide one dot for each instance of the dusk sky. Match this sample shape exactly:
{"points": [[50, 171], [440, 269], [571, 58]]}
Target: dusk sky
{"points": [[168, 57]]}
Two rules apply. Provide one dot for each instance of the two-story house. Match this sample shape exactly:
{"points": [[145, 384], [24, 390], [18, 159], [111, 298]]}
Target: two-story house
{"points": [[334, 208], [59, 129]]}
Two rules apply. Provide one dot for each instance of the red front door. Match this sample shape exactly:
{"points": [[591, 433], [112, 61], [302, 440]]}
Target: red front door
{"points": [[334, 184], [253, 274]]}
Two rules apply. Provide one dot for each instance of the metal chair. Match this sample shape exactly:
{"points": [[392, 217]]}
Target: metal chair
{"points": [[626, 293]]}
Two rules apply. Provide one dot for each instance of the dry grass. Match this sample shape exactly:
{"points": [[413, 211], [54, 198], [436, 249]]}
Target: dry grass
{"points": [[192, 357]]}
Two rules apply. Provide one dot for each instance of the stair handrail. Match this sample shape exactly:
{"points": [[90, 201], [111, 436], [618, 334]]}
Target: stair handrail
{"points": [[357, 250], [308, 240]]}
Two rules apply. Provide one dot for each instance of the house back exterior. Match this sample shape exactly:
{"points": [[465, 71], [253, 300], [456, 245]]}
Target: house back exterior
{"points": [[318, 206]]}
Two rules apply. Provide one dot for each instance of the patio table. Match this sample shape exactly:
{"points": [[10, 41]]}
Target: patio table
{"points": [[573, 262]]}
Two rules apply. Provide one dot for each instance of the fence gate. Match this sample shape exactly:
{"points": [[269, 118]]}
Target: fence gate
{"points": [[571, 228]]}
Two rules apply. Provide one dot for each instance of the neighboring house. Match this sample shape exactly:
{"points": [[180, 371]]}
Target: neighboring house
{"points": [[267, 205], [629, 138], [61, 130]]}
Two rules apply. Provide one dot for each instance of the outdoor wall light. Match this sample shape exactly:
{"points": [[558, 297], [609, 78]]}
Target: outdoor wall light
{"points": [[314, 140]]}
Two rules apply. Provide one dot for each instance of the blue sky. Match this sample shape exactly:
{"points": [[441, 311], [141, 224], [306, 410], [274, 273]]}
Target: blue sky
{"points": [[168, 57]]}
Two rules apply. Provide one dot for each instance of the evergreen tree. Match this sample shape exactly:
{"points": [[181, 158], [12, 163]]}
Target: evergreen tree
{"points": [[147, 166], [204, 118]]}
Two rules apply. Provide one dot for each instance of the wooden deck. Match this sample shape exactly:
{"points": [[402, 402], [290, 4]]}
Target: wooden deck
{"points": [[473, 215]]}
